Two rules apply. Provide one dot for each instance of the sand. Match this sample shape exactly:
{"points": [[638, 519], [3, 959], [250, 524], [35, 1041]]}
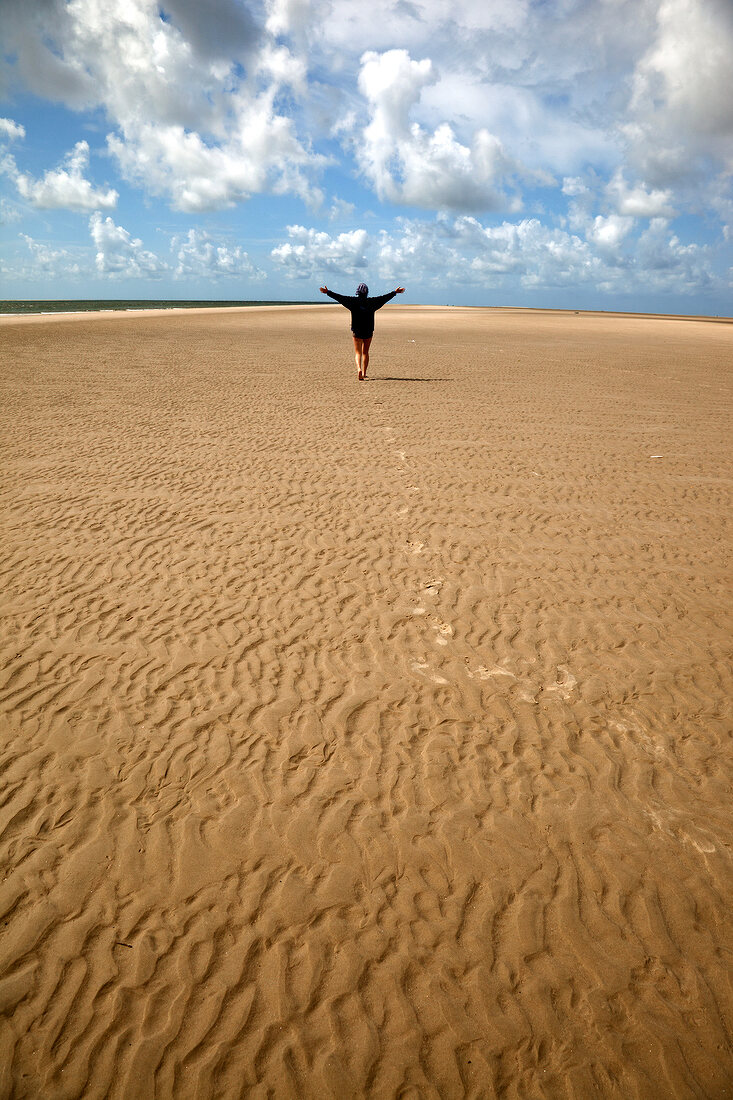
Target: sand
{"points": [[366, 740]]}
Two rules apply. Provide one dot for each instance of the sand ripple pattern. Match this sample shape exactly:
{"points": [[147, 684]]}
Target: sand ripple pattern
{"points": [[366, 741]]}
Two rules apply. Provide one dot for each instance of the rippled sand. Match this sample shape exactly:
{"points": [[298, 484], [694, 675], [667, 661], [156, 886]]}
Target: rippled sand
{"points": [[366, 740]]}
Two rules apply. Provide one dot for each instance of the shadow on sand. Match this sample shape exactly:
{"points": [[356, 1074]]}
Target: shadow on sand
{"points": [[392, 379]]}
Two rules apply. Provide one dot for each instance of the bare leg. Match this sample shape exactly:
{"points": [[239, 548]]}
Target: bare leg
{"points": [[365, 355], [359, 356]]}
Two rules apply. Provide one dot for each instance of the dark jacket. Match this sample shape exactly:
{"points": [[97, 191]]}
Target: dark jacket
{"points": [[362, 310]]}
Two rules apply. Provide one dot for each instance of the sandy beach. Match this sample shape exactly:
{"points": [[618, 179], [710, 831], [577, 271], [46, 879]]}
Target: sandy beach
{"points": [[366, 740]]}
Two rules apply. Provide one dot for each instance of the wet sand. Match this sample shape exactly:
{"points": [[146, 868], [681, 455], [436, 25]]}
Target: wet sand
{"points": [[365, 740]]}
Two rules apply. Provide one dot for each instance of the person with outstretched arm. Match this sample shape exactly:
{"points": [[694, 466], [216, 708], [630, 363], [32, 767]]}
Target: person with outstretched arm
{"points": [[362, 309]]}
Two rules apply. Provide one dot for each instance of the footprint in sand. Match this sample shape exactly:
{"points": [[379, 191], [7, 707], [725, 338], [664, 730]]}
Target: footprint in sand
{"points": [[415, 547]]}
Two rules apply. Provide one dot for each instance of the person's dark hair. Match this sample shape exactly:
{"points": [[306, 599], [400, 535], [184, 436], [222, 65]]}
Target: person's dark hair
{"points": [[362, 290]]}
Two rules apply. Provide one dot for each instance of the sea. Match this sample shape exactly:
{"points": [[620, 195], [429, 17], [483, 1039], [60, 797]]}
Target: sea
{"points": [[102, 305]]}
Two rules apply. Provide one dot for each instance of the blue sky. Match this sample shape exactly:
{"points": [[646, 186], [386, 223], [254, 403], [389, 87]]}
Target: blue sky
{"points": [[571, 154]]}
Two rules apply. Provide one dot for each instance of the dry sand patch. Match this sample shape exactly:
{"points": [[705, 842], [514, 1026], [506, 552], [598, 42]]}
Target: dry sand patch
{"points": [[366, 740]]}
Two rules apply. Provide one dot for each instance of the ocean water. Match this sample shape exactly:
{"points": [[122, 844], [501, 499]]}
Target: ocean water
{"points": [[84, 305]]}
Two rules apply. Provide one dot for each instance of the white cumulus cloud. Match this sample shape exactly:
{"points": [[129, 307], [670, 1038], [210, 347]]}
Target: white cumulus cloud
{"points": [[608, 232], [119, 253], [288, 16], [407, 163], [309, 253], [65, 187], [638, 202], [461, 251], [190, 89], [668, 264], [681, 110], [464, 251], [197, 254], [10, 131], [261, 154], [602, 121], [47, 260]]}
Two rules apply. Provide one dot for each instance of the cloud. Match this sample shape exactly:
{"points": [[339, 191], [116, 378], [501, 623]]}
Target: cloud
{"points": [[464, 251], [47, 261], [288, 16], [198, 255], [602, 119], [609, 232], [10, 130], [137, 60], [538, 127], [529, 255], [681, 110], [685, 73], [416, 24], [31, 54], [9, 212], [283, 68], [218, 30], [261, 155], [638, 202], [574, 186], [63, 188], [340, 209], [309, 253], [546, 80], [119, 254], [191, 90], [609, 255], [408, 164], [670, 265]]}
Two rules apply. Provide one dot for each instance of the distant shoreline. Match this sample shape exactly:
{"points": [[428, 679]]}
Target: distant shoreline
{"points": [[13, 306], [19, 307], [67, 308]]}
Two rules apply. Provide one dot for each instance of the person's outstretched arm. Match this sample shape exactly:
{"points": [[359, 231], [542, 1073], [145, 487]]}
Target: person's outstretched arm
{"points": [[332, 294], [384, 298]]}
